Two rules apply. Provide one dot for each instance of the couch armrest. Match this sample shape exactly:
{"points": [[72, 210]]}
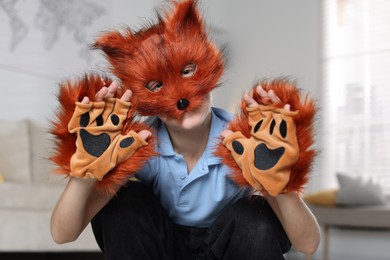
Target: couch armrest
{"points": [[360, 217]]}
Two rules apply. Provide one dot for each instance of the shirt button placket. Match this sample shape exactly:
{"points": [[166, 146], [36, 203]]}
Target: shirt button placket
{"points": [[182, 167]]}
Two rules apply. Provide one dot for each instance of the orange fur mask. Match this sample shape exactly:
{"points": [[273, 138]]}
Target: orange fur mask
{"points": [[170, 66]]}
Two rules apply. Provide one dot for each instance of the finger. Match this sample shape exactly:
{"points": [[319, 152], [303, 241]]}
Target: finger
{"points": [[226, 133], [103, 82], [85, 100], [111, 90], [250, 102], [274, 98], [261, 91], [101, 94], [144, 134], [287, 107], [127, 95], [119, 88]]}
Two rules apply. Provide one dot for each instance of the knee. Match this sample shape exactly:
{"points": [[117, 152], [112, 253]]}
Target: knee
{"points": [[134, 214], [264, 226], [252, 224], [132, 201]]}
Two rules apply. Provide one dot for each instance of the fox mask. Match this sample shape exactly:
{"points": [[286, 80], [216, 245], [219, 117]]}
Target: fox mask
{"points": [[170, 66]]}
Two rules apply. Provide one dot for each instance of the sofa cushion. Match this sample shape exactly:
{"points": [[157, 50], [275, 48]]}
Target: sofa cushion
{"points": [[15, 161], [322, 198], [358, 191]]}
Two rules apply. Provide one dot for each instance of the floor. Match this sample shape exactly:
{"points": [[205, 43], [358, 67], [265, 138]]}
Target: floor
{"points": [[51, 256]]}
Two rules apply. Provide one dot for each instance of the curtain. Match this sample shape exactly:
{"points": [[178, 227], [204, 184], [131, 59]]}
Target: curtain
{"points": [[355, 108]]}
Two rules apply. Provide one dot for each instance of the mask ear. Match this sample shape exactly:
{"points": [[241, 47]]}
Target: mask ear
{"points": [[114, 44], [186, 18]]}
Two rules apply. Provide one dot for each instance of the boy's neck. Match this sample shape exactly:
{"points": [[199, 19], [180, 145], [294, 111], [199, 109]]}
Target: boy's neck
{"points": [[191, 143]]}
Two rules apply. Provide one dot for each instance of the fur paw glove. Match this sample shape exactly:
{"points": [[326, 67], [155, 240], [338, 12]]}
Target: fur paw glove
{"points": [[98, 139], [266, 157], [100, 144], [271, 148]]}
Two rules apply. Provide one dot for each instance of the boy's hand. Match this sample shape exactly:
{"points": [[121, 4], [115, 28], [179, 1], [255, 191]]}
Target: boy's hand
{"points": [[98, 125]]}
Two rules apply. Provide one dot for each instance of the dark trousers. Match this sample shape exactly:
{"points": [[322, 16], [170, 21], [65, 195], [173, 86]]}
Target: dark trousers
{"points": [[133, 225]]}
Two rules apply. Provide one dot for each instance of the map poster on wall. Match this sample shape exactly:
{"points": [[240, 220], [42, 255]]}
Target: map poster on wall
{"points": [[51, 38]]}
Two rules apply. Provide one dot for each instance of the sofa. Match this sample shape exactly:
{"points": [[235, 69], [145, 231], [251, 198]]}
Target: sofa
{"points": [[29, 191]]}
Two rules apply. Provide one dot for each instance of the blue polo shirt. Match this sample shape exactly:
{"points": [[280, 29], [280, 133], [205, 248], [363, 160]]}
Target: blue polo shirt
{"points": [[194, 199]]}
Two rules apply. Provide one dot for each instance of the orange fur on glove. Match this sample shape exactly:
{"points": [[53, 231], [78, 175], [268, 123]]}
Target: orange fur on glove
{"points": [[98, 139], [270, 148]]}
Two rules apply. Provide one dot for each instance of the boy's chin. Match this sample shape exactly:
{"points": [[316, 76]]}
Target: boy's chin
{"points": [[190, 120]]}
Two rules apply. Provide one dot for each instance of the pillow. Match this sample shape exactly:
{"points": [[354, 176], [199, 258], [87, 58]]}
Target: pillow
{"points": [[15, 151], [322, 198], [357, 191]]}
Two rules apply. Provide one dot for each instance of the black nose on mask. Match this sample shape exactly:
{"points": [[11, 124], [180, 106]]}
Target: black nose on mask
{"points": [[182, 104]]}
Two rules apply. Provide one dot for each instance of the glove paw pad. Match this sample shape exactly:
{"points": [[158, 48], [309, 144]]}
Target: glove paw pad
{"points": [[94, 145], [266, 158]]}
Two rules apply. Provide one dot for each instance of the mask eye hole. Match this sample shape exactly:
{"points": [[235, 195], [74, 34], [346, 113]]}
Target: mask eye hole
{"points": [[154, 86], [189, 70]]}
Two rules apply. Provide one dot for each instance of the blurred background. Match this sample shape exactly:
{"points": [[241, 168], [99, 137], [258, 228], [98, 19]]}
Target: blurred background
{"points": [[338, 51]]}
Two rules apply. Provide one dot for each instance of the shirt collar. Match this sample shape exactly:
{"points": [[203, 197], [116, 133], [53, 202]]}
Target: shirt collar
{"points": [[219, 122], [165, 144]]}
